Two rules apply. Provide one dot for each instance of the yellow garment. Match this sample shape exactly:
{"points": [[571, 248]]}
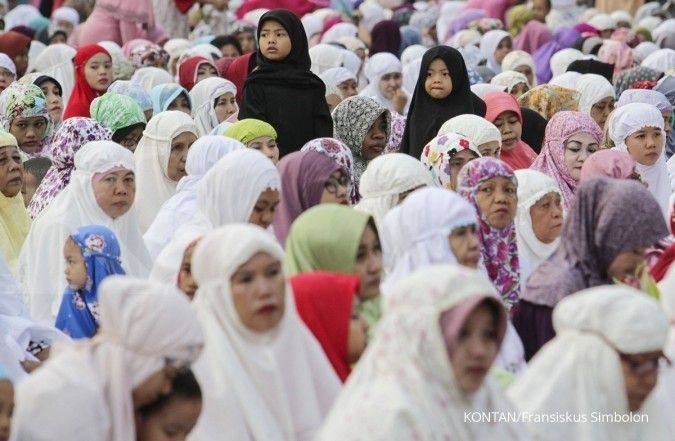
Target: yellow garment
{"points": [[14, 226], [517, 17]]}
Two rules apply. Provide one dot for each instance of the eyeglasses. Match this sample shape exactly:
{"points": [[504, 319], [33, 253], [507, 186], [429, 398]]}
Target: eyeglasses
{"points": [[333, 185], [130, 141]]}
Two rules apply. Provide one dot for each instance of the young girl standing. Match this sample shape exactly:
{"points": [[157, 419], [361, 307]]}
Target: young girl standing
{"points": [[283, 77]]}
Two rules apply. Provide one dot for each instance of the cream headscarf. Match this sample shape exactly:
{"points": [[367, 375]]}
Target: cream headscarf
{"points": [[477, 129], [153, 186], [376, 67], [84, 391], [204, 96], [14, 219], [592, 88], [276, 385]]}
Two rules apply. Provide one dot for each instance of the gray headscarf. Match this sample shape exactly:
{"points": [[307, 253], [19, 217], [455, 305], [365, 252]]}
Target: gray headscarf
{"points": [[667, 87]]}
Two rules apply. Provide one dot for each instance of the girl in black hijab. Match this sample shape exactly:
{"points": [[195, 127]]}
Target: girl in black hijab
{"points": [[442, 92], [592, 66], [281, 90]]}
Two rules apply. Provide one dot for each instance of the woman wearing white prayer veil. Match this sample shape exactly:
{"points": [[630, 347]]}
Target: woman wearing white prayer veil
{"points": [[263, 375], [603, 362], [101, 192], [413, 381], [56, 61], [213, 101], [180, 208], [160, 158], [89, 390], [149, 77], [666, 384], [387, 181]]}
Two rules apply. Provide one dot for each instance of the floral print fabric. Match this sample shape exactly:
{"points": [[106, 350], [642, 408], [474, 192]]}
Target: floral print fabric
{"points": [[23, 100], [438, 153], [340, 153], [548, 99]]}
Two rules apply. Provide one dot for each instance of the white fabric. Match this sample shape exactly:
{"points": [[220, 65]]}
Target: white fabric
{"points": [[83, 392], [180, 207], [205, 50], [203, 96], [662, 60], [371, 14], [336, 76], [643, 50], [112, 47], [509, 79], [325, 56], [647, 96], [650, 22], [385, 178], [411, 73], [666, 383], [663, 30], [403, 387], [412, 53], [338, 31], [176, 47], [312, 24], [488, 46], [21, 15], [566, 79], [56, 61], [449, 11], [602, 22], [561, 60], [579, 371], [352, 62], [482, 89], [153, 186], [7, 63], [647, 10], [466, 37], [532, 186], [41, 267], [477, 129], [276, 385], [168, 263], [517, 58], [593, 88], [627, 120], [149, 77], [619, 16], [36, 49], [377, 66], [66, 13]]}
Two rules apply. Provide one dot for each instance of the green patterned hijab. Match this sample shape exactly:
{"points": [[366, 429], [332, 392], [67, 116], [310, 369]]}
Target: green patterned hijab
{"points": [[116, 111]]}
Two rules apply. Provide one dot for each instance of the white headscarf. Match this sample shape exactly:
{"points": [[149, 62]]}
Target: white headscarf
{"points": [[325, 56], [466, 37], [56, 61], [21, 15], [403, 387], [627, 120], [593, 88], [153, 186], [579, 371], [204, 95], [488, 46], [643, 50], [338, 31], [619, 16], [566, 79], [35, 50], [149, 77], [276, 385], [66, 13], [411, 73], [482, 89], [371, 14], [336, 76], [532, 186], [509, 79], [477, 129], [602, 22], [648, 96], [412, 53], [41, 267], [377, 66], [561, 60], [180, 207], [205, 50], [84, 391], [517, 58], [385, 178], [662, 60]]}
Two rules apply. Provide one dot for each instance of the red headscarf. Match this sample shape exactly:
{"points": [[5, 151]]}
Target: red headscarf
{"points": [[522, 155], [187, 71], [83, 94], [238, 72], [324, 302], [14, 44]]}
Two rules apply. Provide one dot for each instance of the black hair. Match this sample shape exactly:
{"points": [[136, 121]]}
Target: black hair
{"points": [[122, 133], [184, 386], [57, 33], [37, 167], [224, 40], [46, 78]]}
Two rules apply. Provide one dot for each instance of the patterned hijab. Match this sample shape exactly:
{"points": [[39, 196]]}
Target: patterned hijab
{"points": [[498, 246], [71, 135], [116, 111], [340, 153], [24, 100], [438, 153], [548, 99], [626, 78], [551, 160]]}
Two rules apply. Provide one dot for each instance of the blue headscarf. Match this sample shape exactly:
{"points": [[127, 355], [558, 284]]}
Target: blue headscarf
{"points": [[164, 94], [132, 90], [78, 314]]}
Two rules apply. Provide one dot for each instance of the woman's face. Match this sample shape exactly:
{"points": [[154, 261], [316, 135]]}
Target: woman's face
{"points": [[156, 385], [438, 83], [131, 140], [668, 121], [226, 106], [246, 41], [267, 146], [173, 422], [21, 62], [347, 88], [646, 145], [358, 334], [540, 9], [600, 111], [510, 127], [65, 25], [464, 245], [115, 192], [626, 266], [186, 282], [98, 72], [205, 71], [497, 199], [264, 208], [230, 50], [54, 100], [368, 265], [275, 43], [518, 90], [180, 103], [179, 150], [336, 189], [375, 140], [640, 373], [491, 149], [547, 217], [258, 290], [458, 161], [505, 46], [29, 132], [527, 71], [476, 349], [577, 149], [390, 83], [6, 78], [11, 171]]}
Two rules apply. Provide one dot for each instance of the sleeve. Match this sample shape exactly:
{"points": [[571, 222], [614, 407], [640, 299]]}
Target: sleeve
{"points": [[253, 103], [323, 121]]}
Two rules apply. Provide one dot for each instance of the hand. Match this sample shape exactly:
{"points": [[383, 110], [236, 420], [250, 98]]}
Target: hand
{"points": [[400, 99]]}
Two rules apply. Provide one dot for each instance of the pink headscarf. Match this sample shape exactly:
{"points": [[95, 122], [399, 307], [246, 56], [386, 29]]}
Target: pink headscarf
{"points": [[453, 320], [551, 160], [609, 163], [533, 36], [617, 53]]}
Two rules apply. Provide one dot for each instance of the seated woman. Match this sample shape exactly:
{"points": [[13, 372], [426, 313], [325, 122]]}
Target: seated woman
{"points": [[263, 374], [170, 97], [53, 93], [596, 97], [255, 134], [427, 366], [481, 132], [570, 138], [385, 83], [599, 245], [90, 390], [445, 155], [213, 102], [122, 115], [604, 361], [24, 114]]}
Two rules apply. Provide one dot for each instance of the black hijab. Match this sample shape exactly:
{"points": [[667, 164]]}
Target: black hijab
{"points": [[534, 126], [426, 114], [592, 66], [292, 71]]}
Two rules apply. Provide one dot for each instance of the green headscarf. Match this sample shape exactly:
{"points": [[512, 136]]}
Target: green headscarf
{"points": [[249, 129], [325, 238], [116, 111], [517, 17]]}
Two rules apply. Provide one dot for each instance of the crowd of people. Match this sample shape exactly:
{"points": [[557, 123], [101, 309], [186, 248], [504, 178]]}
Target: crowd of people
{"points": [[337, 220]]}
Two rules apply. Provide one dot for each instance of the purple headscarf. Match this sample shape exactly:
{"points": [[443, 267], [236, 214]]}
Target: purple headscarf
{"points": [[562, 39], [534, 35], [551, 160], [303, 175], [386, 37], [68, 139], [462, 21], [340, 153], [498, 246]]}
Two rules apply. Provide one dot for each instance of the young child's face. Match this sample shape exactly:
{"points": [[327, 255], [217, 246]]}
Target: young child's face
{"points": [[76, 270], [186, 282], [30, 185], [274, 42], [438, 83], [358, 334], [6, 408], [172, 423]]}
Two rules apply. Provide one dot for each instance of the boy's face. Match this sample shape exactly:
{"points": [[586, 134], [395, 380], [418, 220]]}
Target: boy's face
{"points": [[30, 185]]}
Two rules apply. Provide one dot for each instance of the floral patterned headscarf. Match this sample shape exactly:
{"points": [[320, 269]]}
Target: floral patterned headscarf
{"points": [[340, 154], [499, 247], [548, 99], [24, 100], [148, 54], [116, 111], [438, 153]]}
